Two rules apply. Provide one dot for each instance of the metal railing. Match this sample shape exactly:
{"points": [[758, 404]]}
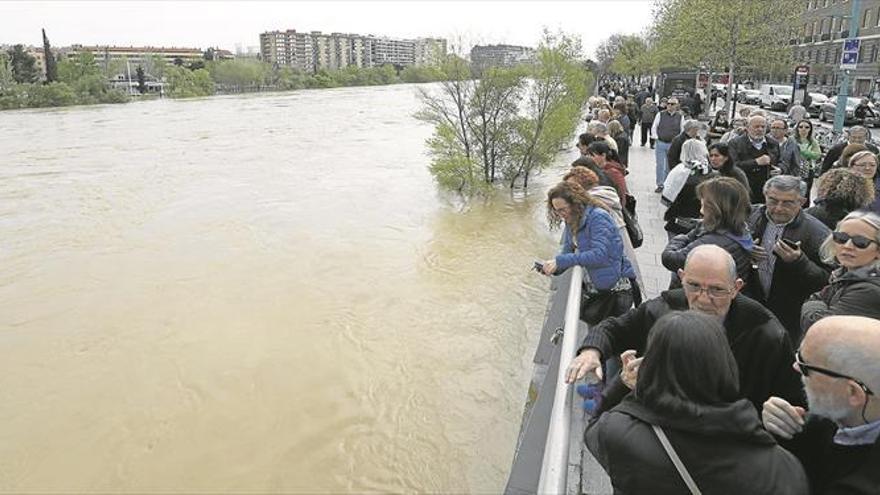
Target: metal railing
{"points": [[554, 468]]}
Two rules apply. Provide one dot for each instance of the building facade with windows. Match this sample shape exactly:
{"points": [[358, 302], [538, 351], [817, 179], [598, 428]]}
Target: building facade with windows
{"points": [[818, 43], [314, 51], [485, 56]]}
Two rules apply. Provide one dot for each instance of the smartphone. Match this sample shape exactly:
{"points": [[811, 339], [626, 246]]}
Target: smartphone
{"points": [[790, 243], [538, 267]]}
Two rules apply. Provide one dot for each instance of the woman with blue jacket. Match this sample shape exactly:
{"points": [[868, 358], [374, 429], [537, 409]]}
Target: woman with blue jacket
{"points": [[590, 239]]}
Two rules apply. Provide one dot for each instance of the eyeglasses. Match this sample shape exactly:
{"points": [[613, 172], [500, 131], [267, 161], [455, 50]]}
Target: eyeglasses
{"points": [[804, 127], [788, 203], [778, 128], [805, 370], [712, 292], [858, 241]]}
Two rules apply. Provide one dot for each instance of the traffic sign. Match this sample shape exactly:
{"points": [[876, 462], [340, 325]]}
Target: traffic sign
{"points": [[849, 60], [851, 45]]}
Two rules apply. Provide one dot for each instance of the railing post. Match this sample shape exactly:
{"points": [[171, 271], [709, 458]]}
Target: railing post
{"points": [[554, 468]]}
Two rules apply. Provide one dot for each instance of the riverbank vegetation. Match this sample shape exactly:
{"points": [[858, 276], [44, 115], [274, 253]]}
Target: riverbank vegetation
{"points": [[82, 80], [510, 122]]}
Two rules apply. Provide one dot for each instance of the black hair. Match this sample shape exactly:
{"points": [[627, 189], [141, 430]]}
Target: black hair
{"points": [[600, 147], [688, 363], [586, 139]]}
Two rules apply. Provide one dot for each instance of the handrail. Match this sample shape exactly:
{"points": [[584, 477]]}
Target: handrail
{"points": [[554, 468]]}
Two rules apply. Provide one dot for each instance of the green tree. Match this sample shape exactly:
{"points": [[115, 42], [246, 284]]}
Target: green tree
{"points": [[731, 35], [7, 79], [633, 58], [51, 68], [24, 65], [154, 65], [492, 117], [184, 83]]}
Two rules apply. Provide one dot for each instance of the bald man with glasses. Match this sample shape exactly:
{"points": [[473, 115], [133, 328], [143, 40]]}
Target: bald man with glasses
{"points": [[836, 437]]}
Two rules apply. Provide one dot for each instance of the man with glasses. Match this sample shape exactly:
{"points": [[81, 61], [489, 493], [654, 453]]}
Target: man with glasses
{"points": [[759, 343], [786, 253], [789, 151], [856, 135], [756, 154], [837, 442], [667, 124]]}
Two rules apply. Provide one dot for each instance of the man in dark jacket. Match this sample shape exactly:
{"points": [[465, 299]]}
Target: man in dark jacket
{"points": [[839, 444], [857, 135], [759, 343], [691, 128], [756, 154], [648, 111], [790, 267]]}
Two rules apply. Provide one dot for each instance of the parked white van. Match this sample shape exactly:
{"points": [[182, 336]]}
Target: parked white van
{"points": [[775, 96]]}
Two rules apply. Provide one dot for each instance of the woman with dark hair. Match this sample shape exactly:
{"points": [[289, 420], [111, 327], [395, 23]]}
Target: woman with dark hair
{"points": [[854, 288], [606, 159], [725, 208], [811, 152], [590, 239], [588, 163], [621, 137], [840, 191], [687, 391], [719, 159]]}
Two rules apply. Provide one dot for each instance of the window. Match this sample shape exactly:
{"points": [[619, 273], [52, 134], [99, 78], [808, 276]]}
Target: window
{"points": [[866, 17], [812, 5], [835, 22], [873, 53], [827, 56], [844, 25]]}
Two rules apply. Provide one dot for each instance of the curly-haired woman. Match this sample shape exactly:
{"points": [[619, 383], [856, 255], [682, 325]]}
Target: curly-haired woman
{"points": [[590, 239], [840, 191]]}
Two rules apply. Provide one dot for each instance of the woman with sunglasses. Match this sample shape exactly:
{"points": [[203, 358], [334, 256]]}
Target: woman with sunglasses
{"points": [[854, 288], [864, 163], [811, 152]]}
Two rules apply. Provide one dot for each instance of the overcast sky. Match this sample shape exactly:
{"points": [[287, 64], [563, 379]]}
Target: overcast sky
{"points": [[200, 24]]}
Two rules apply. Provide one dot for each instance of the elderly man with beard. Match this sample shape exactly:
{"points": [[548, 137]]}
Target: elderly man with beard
{"points": [[837, 442], [759, 343]]}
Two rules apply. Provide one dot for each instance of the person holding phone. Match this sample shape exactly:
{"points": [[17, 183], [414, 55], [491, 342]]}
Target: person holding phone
{"points": [[786, 253], [854, 288]]}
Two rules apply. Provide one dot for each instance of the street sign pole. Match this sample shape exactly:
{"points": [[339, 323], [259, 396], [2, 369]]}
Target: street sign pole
{"points": [[843, 92]]}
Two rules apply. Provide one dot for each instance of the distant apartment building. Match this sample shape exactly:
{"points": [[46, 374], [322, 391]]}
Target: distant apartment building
{"points": [[314, 51], [137, 54], [818, 41], [485, 56]]}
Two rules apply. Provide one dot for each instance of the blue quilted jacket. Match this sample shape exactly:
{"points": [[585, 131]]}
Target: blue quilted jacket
{"points": [[600, 250]]}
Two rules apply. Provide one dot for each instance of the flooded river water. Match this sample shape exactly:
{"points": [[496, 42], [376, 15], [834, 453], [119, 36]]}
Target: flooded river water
{"points": [[262, 293]]}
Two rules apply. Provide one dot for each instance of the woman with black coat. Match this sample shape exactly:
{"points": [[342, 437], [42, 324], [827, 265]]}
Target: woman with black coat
{"points": [[687, 387], [854, 288], [840, 191], [719, 159]]}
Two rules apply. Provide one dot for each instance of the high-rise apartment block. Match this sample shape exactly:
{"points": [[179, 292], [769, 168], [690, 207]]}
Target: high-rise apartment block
{"points": [[314, 51], [485, 56]]}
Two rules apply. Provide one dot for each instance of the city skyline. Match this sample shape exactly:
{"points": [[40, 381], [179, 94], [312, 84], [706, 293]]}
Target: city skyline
{"points": [[232, 25]]}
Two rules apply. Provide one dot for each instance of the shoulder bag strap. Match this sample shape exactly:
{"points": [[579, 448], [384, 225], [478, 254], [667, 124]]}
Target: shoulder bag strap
{"points": [[682, 470]]}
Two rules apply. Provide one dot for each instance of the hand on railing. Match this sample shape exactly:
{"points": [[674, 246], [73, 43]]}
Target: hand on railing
{"points": [[588, 361]]}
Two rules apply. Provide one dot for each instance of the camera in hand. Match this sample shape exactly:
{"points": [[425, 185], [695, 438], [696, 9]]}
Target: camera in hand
{"points": [[538, 267]]}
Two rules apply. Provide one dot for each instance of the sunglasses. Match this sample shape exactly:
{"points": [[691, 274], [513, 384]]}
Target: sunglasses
{"points": [[858, 241], [806, 369]]}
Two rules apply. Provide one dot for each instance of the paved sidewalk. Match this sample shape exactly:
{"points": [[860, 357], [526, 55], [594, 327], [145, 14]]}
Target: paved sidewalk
{"points": [[640, 182]]}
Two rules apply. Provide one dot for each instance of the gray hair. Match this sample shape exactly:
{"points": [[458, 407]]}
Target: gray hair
{"points": [[827, 251], [859, 129], [785, 183], [755, 116], [597, 128], [714, 250], [691, 124]]}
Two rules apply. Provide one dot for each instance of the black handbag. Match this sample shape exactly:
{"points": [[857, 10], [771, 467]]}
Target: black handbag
{"points": [[633, 229]]}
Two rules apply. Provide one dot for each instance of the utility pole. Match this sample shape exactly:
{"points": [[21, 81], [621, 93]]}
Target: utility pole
{"points": [[843, 91]]}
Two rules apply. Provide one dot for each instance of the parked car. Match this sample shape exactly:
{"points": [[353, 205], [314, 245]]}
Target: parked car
{"points": [[827, 110], [817, 99], [775, 96], [749, 96]]}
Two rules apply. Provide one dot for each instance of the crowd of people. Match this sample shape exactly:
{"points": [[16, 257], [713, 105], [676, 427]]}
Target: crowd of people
{"points": [[754, 372]]}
